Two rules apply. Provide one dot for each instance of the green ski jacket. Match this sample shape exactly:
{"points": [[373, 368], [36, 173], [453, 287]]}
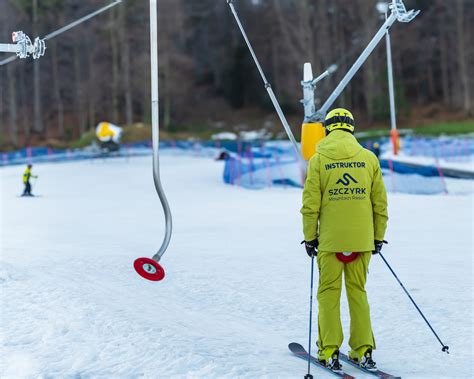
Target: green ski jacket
{"points": [[344, 197]]}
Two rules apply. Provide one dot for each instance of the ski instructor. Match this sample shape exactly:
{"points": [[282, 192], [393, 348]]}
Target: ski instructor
{"points": [[344, 222]]}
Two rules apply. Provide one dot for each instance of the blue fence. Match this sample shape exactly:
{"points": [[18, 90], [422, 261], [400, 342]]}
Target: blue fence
{"points": [[46, 154], [455, 149], [276, 165], [260, 164]]}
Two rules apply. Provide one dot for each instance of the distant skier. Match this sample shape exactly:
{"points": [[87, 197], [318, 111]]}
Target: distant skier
{"points": [[344, 222], [223, 156], [26, 180]]}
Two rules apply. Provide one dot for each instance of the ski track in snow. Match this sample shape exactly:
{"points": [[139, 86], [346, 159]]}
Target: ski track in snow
{"points": [[236, 290]]}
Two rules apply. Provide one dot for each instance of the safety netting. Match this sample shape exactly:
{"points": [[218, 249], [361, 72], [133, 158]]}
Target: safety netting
{"points": [[275, 164], [425, 166]]}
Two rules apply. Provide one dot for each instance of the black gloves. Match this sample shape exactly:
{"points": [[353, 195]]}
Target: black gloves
{"points": [[378, 246], [311, 247]]}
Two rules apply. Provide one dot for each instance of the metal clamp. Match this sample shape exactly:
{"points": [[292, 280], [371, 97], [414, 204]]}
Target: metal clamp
{"points": [[23, 43], [24, 48], [39, 48], [400, 11]]}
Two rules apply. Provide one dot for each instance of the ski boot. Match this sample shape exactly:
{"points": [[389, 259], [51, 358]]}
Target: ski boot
{"points": [[330, 359], [365, 361], [333, 362]]}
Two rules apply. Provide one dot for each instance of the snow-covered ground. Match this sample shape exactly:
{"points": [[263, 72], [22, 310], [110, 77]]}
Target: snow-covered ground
{"points": [[237, 281]]}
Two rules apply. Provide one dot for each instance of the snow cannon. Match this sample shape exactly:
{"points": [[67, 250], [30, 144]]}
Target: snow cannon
{"points": [[149, 269], [109, 136], [311, 132]]}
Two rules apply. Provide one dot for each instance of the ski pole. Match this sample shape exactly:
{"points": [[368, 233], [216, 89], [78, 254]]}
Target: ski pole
{"points": [[445, 347], [309, 376]]}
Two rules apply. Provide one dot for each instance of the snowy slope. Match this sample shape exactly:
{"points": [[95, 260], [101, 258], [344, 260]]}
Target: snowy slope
{"points": [[236, 291]]}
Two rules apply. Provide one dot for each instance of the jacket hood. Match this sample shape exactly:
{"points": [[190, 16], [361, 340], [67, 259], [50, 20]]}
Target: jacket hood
{"points": [[339, 145]]}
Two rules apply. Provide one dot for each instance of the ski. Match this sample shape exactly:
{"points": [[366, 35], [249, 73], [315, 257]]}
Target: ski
{"points": [[377, 373], [300, 352]]}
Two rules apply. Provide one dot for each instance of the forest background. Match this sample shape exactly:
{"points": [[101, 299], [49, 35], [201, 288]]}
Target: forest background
{"points": [[208, 82]]}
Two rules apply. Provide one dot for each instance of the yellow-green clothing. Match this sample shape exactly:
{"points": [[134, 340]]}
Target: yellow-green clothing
{"points": [[344, 192], [26, 175], [329, 295], [345, 208]]}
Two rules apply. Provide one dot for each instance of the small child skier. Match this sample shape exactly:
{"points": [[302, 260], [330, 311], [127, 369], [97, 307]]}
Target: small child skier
{"points": [[26, 180]]}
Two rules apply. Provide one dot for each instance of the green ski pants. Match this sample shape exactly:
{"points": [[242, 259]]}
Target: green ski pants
{"points": [[329, 295]]}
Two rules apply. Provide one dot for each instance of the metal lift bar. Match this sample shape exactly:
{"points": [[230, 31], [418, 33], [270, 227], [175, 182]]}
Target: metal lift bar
{"points": [[399, 13], [66, 28], [309, 86], [9, 48], [356, 66], [8, 60], [156, 128], [391, 90], [268, 86]]}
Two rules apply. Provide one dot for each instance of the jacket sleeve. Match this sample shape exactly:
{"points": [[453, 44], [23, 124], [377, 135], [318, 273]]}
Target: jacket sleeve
{"points": [[311, 200], [379, 204]]}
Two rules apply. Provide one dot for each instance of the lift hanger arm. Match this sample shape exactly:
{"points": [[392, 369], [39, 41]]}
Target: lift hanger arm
{"points": [[156, 129], [268, 86]]}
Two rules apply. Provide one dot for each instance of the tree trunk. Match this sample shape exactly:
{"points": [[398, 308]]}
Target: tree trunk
{"points": [[12, 105], [367, 15], [79, 97], [38, 119], [166, 73], [1, 104], [115, 68], [125, 55], [57, 90], [92, 98], [462, 48], [26, 108], [444, 52]]}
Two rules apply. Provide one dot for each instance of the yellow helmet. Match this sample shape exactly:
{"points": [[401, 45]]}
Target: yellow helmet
{"points": [[339, 118]]}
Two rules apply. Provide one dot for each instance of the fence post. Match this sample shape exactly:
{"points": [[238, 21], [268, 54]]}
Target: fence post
{"points": [[441, 175], [250, 158], [280, 169], [392, 174], [267, 163]]}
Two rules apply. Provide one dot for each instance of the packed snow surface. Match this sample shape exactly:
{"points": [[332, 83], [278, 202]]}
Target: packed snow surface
{"points": [[236, 290]]}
